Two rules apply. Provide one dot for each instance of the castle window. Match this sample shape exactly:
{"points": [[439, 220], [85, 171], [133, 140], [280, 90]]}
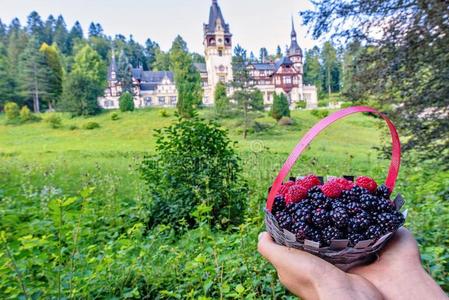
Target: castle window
{"points": [[287, 80], [222, 79], [173, 100], [212, 41], [161, 100], [147, 101], [220, 52], [227, 41]]}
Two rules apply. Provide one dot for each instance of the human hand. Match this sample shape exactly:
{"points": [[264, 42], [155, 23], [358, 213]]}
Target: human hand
{"points": [[397, 274]]}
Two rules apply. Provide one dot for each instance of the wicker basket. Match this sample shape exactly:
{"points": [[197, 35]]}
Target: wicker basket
{"points": [[338, 252]]}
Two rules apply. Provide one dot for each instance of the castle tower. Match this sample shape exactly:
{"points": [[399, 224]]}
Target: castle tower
{"points": [[217, 49], [295, 52]]}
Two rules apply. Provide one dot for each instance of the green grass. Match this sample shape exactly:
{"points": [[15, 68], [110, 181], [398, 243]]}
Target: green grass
{"points": [[101, 249]]}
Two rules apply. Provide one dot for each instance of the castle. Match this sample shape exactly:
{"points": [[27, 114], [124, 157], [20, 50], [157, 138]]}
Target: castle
{"points": [[157, 88]]}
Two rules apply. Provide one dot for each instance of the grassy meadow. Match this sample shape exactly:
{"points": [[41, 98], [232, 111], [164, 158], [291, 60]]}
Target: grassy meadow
{"points": [[73, 208]]}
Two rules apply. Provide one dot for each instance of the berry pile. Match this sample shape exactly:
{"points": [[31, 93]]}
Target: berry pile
{"points": [[338, 209]]}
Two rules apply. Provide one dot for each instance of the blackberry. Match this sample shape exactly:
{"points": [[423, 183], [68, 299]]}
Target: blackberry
{"points": [[354, 238], [278, 205], [320, 218], [292, 208], [303, 214], [384, 205], [353, 207], [368, 202], [348, 196], [383, 191], [388, 222], [340, 217], [330, 233], [337, 203], [359, 222], [284, 220], [358, 191], [313, 234], [301, 230], [374, 232], [325, 204], [315, 193]]}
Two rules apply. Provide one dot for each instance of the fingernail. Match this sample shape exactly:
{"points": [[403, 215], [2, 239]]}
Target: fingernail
{"points": [[260, 236]]}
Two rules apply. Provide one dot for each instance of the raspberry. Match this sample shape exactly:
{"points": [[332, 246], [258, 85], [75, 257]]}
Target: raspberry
{"points": [[284, 188], [331, 189], [367, 183], [308, 182], [343, 183], [294, 194]]}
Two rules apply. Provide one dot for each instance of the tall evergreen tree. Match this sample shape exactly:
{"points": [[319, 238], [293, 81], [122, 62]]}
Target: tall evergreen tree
{"points": [[61, 34], [263, 54], [252, 57], [101, 44], [7, 84], [124, 74], [278, 52], [80, 95], [49, 29], [280, 107], [150, 52], [54, 80], [329, 64], [187, 78], [136, 53], [35, 26], [75, 35], [221, 99], [33, 73], [312, 68], [162, 61], [17, 41], [3, 33]]}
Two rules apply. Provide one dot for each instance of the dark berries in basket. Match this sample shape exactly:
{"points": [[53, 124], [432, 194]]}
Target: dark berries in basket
{"points": [[339, 217], [338, 209], [331, 189], [383, 191], [366, 183], [330, 233], [320, 218]]}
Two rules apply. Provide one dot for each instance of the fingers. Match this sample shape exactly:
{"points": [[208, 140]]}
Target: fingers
{"points": [[268, 248]]}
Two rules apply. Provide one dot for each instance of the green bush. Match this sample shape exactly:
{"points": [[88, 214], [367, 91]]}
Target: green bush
{"points": [[73, 127], [323, 103], [320, 113], [115, 116], [91, 125], [301, 105], [164, 113], [195, 169], [25, 114], [346, 104], [285, 121], [11, 111], [126, 102], [280, 107], [54, 121]]}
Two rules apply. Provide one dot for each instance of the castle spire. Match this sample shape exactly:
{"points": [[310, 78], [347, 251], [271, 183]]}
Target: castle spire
{"points": [[293, 34]]}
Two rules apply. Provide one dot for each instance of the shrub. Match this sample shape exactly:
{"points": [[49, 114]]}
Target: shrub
{"points": [[25, 114], [285, 121], [280, 107], [323, 103], [320, 113], [259, 127], [301, 105], [115, 116], [346, 104], [126, 102], [164, 113], [73, 127], [91, 125], [11, 110], [54, 121], [195, 166]]}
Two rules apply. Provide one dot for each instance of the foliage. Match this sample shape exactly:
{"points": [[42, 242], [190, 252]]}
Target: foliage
{"points": [[187, 79], [320, 113], [126, 102], [25, 114], [73, 127], [52, 60], [312, 68], [346, 104], [11, 110], [88, 64], [164, 113], [124, 74], [54, 121], [7, 83], [330, 68], [285, 121], [115, 116], [323, 103], [91, 125], [80, 95], [196, 168], [280, 107], [221, 100], [300, 105], [404, 66]]}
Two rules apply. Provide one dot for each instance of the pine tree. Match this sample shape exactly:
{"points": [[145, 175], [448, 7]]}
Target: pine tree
{"points": [[162, 61], [54, 81], [330, 64], [75, 35], [252, 57], [150, 53], [221, 99], [187, 78], [33, 74], [126, 102], [278, 52], [61, 34], [312, 68], [280, 107], [7, 84], [3, 33], [35, 26], [49, 29], [124, 72], [17, 41], [263, 54]]}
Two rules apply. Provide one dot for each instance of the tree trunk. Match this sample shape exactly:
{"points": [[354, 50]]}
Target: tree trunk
{"points": [[329, 81], [36, 91], [245, 130]]}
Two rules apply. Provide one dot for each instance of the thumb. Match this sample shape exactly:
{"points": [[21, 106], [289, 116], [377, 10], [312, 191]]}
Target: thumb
{"points": [[269, 249]]}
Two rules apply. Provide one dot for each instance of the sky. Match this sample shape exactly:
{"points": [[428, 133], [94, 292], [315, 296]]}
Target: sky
{"points": [[253, 23]]}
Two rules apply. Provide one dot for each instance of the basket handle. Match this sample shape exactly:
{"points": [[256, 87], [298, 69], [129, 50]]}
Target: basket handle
{"points": [[320, 126]]}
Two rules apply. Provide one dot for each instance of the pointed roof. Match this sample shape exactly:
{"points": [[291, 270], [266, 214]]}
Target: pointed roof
{"points": [[112, 67], [215, 15], [294, 47]]}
